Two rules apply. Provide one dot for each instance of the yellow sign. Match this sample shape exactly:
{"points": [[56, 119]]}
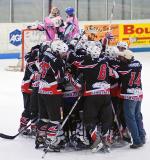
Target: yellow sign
{"points": [[97, 32], [135, 34]]}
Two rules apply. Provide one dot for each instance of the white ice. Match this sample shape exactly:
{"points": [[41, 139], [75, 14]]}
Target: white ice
{"points": [[11, 106]]}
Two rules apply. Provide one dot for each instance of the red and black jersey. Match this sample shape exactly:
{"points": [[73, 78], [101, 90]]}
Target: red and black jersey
{"points": [[75, 56], [26, 82], [96, 75], [35, 75], [32, 59], [32, 75], [114, 83], [130, 77], [52, 73]]}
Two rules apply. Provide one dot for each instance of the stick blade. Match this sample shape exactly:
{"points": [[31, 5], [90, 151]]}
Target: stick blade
{"points": [[5, 136]]}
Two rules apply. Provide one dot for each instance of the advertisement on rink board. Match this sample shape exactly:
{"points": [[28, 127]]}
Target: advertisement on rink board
{"points": [[11, 38], [136, 35], [97, 32], [15, 37]]}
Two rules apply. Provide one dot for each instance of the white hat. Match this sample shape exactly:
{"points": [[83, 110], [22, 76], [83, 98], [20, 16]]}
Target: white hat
{"points": [[126, 54]]}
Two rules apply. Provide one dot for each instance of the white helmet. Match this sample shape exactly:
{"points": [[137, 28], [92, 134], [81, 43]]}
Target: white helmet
{"points": [[94, 51], [73, 42], [98, 44], [112, 51], [83, 39], [88, 44], [46, 43], [78, 46], [126, 54], [59, 46], [122, 44]]}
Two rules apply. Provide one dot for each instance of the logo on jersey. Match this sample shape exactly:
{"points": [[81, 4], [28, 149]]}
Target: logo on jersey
{"points": [[134, 64], [15, 37], [101, 85], [136, 91]]}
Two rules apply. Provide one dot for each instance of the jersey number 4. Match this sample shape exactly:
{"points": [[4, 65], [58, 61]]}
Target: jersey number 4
{"points": [[134, 80]]}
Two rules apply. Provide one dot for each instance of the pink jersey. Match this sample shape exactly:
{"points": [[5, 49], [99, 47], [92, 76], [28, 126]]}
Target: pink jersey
{"points": [[50, 26], [74, 22]]}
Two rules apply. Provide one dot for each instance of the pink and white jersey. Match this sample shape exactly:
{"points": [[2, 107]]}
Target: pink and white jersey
{"points": [[51, 27], [75, 30]]}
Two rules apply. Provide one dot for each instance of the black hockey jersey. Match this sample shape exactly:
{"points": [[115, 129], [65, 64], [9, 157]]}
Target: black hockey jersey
{"points": [[27, 80], [130, 77], [52, 73], [96, 75], [114, 83]]}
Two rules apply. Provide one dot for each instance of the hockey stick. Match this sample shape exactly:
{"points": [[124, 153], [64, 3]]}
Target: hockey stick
{"points": [[111, 15], [110, 20], [5, 136], [116, 120], [81, 35], [61, 127]]}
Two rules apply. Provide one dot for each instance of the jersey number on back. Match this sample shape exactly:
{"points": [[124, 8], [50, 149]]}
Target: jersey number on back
{"points": [[44, 68], [102, 72], [133, 80]]}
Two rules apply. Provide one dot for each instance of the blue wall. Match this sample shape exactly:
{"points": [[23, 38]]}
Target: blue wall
{"points": [[9, 55]]}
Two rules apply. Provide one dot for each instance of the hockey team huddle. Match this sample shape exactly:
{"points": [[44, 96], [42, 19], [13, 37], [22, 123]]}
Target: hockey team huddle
{"points": [[81, 94]]}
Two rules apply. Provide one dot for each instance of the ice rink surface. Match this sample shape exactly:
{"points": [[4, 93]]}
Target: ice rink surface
{"points": [[11, 106]]}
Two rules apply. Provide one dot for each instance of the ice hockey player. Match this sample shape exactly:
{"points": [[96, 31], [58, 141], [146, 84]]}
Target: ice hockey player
{"points": [[53, 25], [50, 95], [72, 90], [119, 131], [72, 26], [97, 103], [27, 91], [131, 91], [33, 59]]}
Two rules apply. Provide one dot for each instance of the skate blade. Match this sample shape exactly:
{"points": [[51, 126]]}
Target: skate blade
{"points": [[119, 144], [105, 150], [27, 136], [39, 146], [49, 149], [97, 148]]}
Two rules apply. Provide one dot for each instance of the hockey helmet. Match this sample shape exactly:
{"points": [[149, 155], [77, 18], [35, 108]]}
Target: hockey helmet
{"points": [[94, 51], [88, 44], [112, 51], [59, 46], [70, 10], [98, 44], [83, 39], [73, 42]]}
